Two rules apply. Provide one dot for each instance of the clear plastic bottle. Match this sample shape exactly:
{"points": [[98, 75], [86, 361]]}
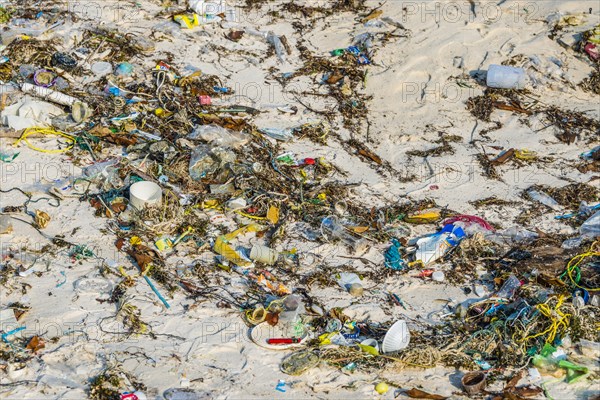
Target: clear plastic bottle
{"points": [[275, 41], [591, 227], [331, 228], [544, 199]]}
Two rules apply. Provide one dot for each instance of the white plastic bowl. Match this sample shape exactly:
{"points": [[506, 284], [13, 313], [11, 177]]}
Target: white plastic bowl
{"points": [[396, 338]]}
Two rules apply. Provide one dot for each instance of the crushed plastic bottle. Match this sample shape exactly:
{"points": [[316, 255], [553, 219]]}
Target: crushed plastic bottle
{"points": [[544, 199], [282, 134], [511, 235], [275, 41], [433, 247]]}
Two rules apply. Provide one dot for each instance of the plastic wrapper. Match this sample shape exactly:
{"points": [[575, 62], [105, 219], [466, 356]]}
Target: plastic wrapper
{"points": [[219, 136]]}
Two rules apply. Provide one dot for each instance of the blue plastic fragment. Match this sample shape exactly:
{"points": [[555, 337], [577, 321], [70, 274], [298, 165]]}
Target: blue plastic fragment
{"points": [[393, 259]]}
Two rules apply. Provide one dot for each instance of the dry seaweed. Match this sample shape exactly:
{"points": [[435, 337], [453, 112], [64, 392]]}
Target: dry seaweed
{"points": [[111, 382], [492, 201], [572, 125]]}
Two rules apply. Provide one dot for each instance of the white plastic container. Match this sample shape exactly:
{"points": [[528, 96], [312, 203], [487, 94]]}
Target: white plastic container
{"points": [[502, 77], [396, 338], [145, 193], [263, 254]]}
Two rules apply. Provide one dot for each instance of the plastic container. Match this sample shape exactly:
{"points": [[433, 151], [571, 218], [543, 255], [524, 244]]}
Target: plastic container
{"points": [[434, 247], [263, 254], [438, 276], [396, 338], [145, 193], [473, 382], [503, 77]]}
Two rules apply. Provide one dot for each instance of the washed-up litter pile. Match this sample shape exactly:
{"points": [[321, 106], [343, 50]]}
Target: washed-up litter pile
{"points": [[178, 170]]}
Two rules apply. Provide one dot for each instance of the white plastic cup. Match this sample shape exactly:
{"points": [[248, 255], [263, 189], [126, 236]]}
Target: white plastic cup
{"points": [[263, 254], [145, 193], [396, 338], [503, 77]]}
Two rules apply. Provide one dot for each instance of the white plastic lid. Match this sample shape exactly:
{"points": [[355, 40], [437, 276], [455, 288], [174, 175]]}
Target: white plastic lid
{"points": [[102, 68]]}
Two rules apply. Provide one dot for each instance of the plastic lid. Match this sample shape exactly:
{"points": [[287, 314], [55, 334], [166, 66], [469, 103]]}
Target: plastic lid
{"points": [[102, 68]]}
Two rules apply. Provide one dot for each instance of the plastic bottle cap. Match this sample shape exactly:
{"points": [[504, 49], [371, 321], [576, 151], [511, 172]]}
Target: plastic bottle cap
{"points": [[438, 276]]}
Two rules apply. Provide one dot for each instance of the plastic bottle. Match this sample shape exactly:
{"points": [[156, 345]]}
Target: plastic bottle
{"points": [[275, 41], [331, 228], [502, 77], [544, 199], [283, 134], [591, 227]]}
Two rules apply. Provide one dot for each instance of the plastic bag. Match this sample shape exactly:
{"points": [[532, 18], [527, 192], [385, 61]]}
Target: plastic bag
{"points": [[206, 160], [219, 136]]}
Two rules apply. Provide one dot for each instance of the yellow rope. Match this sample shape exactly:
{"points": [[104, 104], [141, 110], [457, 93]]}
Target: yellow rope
{"points": [[557, 317], [45, 131], [575, 261]]}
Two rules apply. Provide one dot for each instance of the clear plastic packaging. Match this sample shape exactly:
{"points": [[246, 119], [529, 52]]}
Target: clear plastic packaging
{"points": [[508, 289], [219, 136], [206, 160]]}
